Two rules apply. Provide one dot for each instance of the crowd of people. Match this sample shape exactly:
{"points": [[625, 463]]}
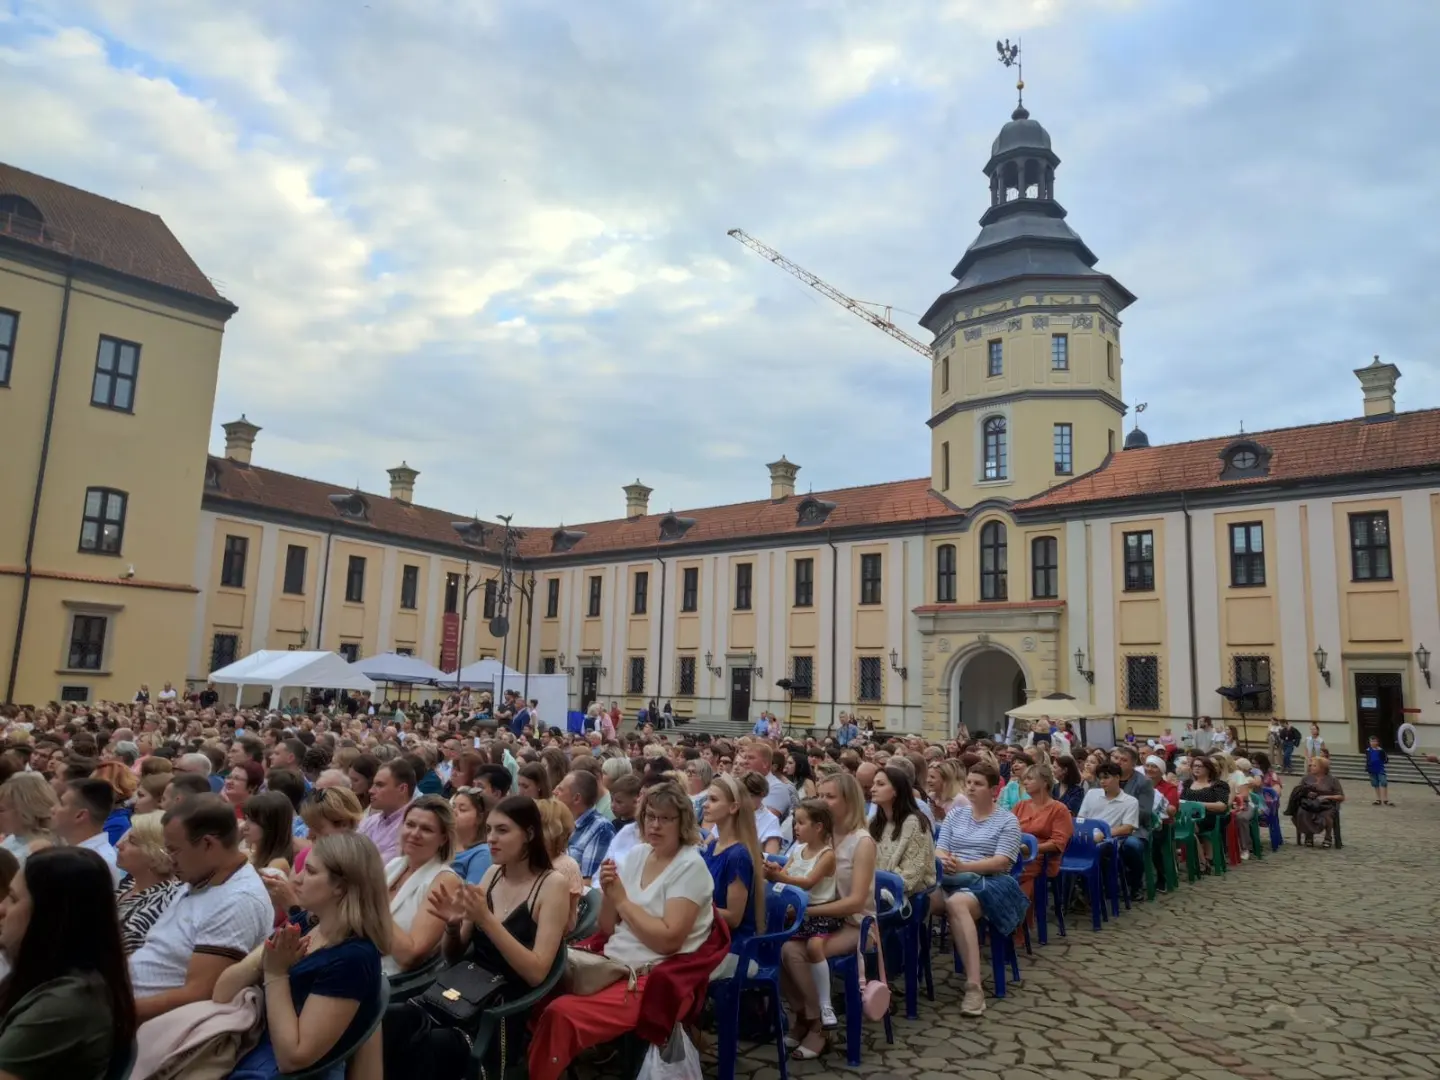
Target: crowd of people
{"points": [[241, 890]]}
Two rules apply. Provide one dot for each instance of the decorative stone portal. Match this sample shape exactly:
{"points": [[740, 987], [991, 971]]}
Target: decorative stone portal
{"points": [[983, 687]]}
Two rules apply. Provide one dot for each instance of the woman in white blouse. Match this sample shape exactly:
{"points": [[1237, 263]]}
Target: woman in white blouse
{"points": [[427, 844]]}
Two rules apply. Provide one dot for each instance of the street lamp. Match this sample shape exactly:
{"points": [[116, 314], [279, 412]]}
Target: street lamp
{"points": [[903, 672], [710, 665], [1088, 673], [1320, 657], [1422, 657]]}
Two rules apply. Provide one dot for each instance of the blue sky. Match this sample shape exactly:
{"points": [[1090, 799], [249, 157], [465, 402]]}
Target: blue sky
{"points": [[488, 237]]}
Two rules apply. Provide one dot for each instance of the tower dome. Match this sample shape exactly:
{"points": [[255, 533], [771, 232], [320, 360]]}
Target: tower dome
{"points": [[1021, 133], [1137, 440]]}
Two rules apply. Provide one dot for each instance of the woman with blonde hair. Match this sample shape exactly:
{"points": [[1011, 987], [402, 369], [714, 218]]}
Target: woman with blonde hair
{"points": [[324, 987], [27, 811], [556, 825], [735, 863], [942, 787], [327, 811], [427, 844], [149, 886]]}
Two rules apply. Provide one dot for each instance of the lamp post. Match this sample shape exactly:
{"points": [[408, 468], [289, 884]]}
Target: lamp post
{"points": [[1422, 657], [903, 672], [1088, 673], [1320, 657]]}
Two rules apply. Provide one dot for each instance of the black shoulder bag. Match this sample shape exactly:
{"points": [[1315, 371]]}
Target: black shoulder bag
{"points": [[460, 993]]}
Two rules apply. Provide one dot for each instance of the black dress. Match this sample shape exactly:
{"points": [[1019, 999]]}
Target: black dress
{"points": [[417, 1046]]}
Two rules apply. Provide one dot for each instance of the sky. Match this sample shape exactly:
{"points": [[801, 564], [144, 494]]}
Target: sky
{"points": [[488, 237]]}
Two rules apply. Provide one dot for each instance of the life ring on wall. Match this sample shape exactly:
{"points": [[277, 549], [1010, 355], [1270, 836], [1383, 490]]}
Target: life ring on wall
{"points": [[1407, 738]]}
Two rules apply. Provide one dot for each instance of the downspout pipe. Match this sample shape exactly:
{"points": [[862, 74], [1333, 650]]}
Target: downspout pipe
{"points": [[834, 621], [39, 486], [324, 587], [660, 655], [1190, 609]]}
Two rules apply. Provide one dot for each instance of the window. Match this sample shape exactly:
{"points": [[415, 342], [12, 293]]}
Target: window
{"points": [[1247, 555], [1110, 442], [87, 642], [223, 650], [74, 693], [945, 574], [802, 677], [1254, 671], [743, 573], [1142, 683], [944, 466], [1140, 561], [870, 684], [995, 364], [870, 579], [355, 580], [687, 676], [232, 563], [491, 594], [642, 591], [1064, 449], [404, 650], [993, 577], [1109, 359], [350, 650], [452, 593], [1059, 352], [690, 589], [116, 366], [636, 683], [995, 457], [593, 611], [9, 324], [1044, 568], [804, 582], [295, 558], [547, 665], [1370, 547], [944, 374], [552, 598], [409, 587], [103, 526]]}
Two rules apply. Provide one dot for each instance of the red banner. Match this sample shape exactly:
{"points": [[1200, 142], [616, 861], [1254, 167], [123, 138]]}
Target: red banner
{"points": [[450, 642]]}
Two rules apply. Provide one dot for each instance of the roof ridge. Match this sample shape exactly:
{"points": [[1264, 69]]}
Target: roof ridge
{"points": [[85, 191], [1242, 435]]}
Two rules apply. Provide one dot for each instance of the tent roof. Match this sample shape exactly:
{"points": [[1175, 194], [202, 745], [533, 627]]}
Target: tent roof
{"points": [[397, 668], [1055, 707], [487, 670], [280, 668]]}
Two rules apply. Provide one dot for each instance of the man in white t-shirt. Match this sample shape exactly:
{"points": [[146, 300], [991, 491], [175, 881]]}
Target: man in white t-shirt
{"points": [[1109, 803], [219, 919], [168, 693]]}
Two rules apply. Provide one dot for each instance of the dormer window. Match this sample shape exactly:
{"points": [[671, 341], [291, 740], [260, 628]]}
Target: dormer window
{"points": [[563, 539], [212, 476], [20, 217], [673, 527], [1244, 459], [813, 511], [351, 505], [471, 532]]}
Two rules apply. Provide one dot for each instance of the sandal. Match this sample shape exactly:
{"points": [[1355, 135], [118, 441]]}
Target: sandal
{"points": [[1325, 843], [804, 1053]]}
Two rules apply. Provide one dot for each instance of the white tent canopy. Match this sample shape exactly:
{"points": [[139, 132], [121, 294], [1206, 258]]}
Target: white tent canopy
{"points": [[487, 671], [1055, 707], [397, 668], [280, 670], [552, 692]]}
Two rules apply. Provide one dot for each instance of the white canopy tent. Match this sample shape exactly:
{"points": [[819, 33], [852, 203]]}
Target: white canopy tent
{"points": [[398, 668], [279, 670], [551, 692], [1097, 727]]}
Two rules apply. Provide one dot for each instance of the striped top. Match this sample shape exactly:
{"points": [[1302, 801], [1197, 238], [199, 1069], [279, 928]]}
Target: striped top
{"points": [[970, 840]]}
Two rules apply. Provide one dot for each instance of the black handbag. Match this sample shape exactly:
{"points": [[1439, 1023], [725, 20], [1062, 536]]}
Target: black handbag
{"points": [[459, 994]]}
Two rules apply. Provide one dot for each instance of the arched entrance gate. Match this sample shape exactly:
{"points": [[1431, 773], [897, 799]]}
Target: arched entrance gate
{"points": [[985, 682]]}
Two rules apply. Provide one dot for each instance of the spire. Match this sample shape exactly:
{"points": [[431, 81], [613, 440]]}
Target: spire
{"points": [[1010, 56]]}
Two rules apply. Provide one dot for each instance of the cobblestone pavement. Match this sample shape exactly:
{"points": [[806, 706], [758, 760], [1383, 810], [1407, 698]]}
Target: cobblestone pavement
{"points": [[1310, 964]]}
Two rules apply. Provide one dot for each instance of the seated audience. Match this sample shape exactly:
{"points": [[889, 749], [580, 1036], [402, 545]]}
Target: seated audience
{"points": [[469, 806], [579, 791], [734, 860], [66, 1009], [1046, 819], [149, 885], [182, 786], [557, 826], [241, 782], [390, 792], [1316, 799], [269, 832], [123, 784], [28, 807], [427, 844], [327, 811], [904, 843]]}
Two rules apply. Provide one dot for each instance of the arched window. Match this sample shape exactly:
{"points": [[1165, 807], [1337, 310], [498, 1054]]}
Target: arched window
{"points": [[1044, 568], [945, 574], [996, 459], [993, 585]]}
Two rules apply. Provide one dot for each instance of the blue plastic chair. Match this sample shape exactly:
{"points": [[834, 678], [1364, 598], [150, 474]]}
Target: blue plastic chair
{"points": [[894, 925], [1272, 819], [916, 941], [1042, 899], [784, 909], [1002, 945], [1083, 859], [848, 969]]}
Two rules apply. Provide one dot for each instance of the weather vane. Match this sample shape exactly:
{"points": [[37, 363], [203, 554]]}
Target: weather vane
{"points": [[1010, 57], [1138, 410]]}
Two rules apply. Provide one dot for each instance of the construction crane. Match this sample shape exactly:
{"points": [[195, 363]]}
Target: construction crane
{"points": [[859, 307]]}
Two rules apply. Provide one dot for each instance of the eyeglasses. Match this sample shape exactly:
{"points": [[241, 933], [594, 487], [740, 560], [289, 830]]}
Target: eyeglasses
{"points": [[656, 819]]}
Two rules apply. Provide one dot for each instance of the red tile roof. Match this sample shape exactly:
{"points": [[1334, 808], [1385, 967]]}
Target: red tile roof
{"points": [[1310, 453], [101, 231], [311, 498]]}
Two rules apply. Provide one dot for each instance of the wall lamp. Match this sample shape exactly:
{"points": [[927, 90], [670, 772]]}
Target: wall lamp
{"points": [[567, 669], [1082, 669], [903, 672], [1422, 657], [710, 665], [1321, 656]]}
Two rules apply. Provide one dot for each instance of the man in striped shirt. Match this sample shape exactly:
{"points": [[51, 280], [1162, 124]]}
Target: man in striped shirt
{"points": [[977, 840]]}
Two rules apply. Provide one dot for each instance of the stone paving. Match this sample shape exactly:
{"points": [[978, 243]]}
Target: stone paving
{"points": [[1310, 964]]}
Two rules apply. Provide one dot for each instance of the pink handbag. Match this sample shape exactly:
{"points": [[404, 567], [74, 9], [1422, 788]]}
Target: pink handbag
{"points": [[874, 993]]}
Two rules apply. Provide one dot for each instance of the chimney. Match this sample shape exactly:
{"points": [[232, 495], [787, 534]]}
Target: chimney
{"points": [[1377, 380], [782, 478], [240, 439], [402, 482], [637, 499]]}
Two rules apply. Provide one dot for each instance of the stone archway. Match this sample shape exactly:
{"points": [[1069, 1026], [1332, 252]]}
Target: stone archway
{"points": [[984, 683]]}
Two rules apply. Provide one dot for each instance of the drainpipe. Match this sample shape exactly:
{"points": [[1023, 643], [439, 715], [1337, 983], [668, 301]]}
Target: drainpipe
{"points": [[530, 639], [834, 619], [39, 486], [324, 586], [660, 656], [1190, 609]]}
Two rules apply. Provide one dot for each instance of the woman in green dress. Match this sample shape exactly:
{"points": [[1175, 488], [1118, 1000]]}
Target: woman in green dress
{"points": [[66, 1009]]}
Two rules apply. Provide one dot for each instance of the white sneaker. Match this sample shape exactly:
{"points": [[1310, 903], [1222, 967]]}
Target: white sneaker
{"points": [[1244, 855], [827, 1017], [973, 1003]]}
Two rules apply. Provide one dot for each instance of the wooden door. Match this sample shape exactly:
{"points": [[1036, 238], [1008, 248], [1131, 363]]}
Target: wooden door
{"points": [[589, 687], [740, 694], [1379, 707]]}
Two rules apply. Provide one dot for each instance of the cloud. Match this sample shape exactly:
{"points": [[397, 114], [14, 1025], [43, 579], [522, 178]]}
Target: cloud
{"points": [[489, 237]]}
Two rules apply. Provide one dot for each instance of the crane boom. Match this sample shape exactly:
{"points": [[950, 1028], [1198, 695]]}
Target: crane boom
{"points": [[826, 289]]}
